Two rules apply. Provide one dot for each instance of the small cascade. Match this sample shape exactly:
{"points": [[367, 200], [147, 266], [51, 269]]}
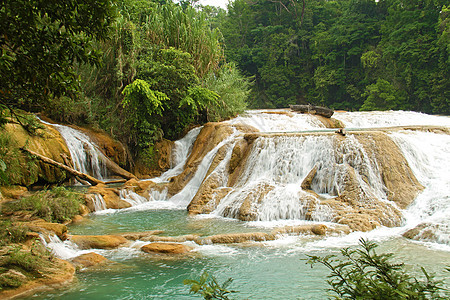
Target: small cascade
{"points": [[270, 186], [371, 119], [64, 250], [181, 153], [185, 196], [131, 197], [86, 156], [99, 202]]}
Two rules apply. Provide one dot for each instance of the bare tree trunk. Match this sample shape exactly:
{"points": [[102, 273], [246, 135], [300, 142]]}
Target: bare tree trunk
{"points": [[82, 176]]}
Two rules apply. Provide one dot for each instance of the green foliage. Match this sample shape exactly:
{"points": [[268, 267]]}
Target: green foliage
{"points": [[188, 30], [56, 205], [11, 233], [41, 41], [11, 168], [382, 96], [333, 52], [364, 274], [143, 105], [233, 89], [208, 287]]}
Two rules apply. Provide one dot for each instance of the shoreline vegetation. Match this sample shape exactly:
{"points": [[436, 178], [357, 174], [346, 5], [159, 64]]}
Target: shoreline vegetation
{"points": [[139, 74]]}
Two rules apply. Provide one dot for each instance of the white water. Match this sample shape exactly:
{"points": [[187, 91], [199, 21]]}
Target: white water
{"points": [[86, 157], [181, 152], [371, 119], [428, 155], [99, 203], [278, 121]]}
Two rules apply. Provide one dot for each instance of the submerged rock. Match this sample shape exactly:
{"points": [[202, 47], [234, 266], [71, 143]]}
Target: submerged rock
{"points": [[166, 248], [232, 238]]}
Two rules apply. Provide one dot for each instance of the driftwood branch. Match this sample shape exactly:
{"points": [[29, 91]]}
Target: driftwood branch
{"points": [[80, 175]]}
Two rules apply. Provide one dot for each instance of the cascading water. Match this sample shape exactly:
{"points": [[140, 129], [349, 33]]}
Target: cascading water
{"points": [[428, 154], [86, 156]]}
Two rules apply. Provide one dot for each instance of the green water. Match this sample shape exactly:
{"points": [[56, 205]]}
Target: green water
{"points": [[272, 270]]}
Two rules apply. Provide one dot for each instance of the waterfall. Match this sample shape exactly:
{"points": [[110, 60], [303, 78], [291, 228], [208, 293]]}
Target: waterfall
{"points": [[370, 119], [131, 197], [86, 156], [181, 153], [428, 154], [99, 202], [62, 249], [278, 165]]}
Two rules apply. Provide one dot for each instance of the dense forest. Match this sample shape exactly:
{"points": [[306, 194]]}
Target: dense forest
{"points": [[143, 70], [346, 54]]}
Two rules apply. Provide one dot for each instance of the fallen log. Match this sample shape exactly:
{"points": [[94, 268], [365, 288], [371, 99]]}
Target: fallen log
{"points": [[312, 109], [78, 174]]}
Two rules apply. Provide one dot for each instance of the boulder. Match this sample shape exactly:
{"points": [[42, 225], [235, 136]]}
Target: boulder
{"points": [[88, 260], [134, 236], [428, 233], [98, 241], [166, 248], [161, 160], [402, 186], [12, 192]]}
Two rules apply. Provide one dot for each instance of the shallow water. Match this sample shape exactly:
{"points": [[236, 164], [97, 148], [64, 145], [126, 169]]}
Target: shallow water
{"points": [[268, 270]]}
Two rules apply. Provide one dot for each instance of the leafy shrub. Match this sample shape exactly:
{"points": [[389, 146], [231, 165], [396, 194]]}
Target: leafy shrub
{"points": [[364, 274], [208, 287], [56, 205]]}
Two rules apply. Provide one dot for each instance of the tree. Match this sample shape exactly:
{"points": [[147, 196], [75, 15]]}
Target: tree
{"points": [[41, 40]]}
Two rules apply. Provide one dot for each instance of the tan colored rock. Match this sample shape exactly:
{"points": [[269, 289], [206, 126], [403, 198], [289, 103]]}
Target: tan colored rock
{"points": [[397, 176], [166, 248], [113, 149], [98, 241], [44, 227], [59, 275], [161, 161], [238, 160], [110, 195], [208, 195], [88, 260], [170, 239], [319, 229], [232, 238], [306, 183], [77, 219], [424, 232]]}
